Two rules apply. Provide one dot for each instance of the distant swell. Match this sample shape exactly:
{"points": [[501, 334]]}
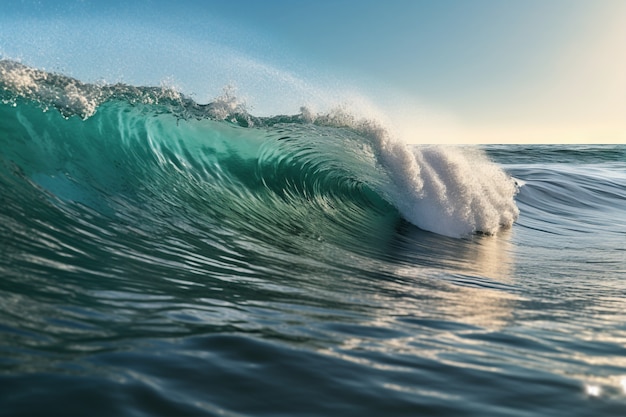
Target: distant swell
{"points": [[148, 154]]}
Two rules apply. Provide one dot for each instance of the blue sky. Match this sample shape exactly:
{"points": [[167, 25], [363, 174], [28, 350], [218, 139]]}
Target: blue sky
{"points": [[444, 71]]}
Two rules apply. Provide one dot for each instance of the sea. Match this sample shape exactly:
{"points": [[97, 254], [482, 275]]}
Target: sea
{"points": [[160, 257]]}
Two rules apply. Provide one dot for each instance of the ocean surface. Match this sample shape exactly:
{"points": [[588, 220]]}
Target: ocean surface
{"points": [[159, 257]]}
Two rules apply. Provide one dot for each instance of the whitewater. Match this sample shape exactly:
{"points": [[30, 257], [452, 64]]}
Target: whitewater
{"points": [[165, 257]]}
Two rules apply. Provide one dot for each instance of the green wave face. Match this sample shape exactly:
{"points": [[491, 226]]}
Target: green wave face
{"points": [[282, 184]]}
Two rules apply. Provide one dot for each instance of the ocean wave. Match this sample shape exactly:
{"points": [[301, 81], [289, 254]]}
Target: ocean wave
{"points": [[114, 146]]}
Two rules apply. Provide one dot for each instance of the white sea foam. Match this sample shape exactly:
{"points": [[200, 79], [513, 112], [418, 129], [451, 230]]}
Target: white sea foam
{"points": [[73, 97], [457, 191], [69, 95], [453, 191], [450, 190]]}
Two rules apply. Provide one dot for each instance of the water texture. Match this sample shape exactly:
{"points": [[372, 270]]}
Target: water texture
{"points": [[162, 257]]}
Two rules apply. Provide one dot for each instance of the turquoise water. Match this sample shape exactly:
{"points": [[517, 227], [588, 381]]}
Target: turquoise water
{"points": [[161, 257]]}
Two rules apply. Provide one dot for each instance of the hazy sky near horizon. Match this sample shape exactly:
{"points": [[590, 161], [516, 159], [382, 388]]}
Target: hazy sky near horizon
{"points": [[449, 71]]}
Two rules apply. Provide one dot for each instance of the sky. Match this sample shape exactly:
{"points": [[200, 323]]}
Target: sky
{"points": [[446, 71]]}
